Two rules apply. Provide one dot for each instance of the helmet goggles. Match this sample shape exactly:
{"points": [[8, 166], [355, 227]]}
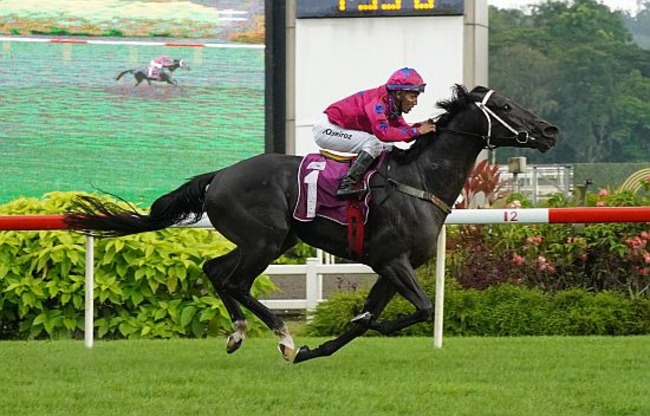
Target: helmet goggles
{"points": [[397, 87], [405, 79]]}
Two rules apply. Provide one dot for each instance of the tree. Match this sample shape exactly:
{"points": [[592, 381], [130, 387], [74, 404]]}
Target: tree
{"points": [[576, 64], [639, 25]]}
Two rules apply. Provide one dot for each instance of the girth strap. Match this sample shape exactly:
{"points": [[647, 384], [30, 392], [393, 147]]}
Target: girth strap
{"points": [[419, 193]]}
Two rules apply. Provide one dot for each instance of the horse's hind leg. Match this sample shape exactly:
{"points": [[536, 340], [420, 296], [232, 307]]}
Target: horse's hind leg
{"points": [[232, 276], [251, 266], [253, 260], [218, 270], [260, 228]]}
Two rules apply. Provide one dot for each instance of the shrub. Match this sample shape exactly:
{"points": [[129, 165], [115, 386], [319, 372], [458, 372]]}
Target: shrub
{"points": [[148, 285], [503, 310], [332, 317], [114, 33], [578, 312]]}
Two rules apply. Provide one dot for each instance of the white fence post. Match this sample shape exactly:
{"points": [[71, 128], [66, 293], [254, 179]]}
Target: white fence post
{"points": [[89, 283], [312, 290], [440, 287]]}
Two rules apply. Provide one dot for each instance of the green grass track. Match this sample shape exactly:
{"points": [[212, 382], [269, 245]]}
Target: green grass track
{"points": [[371, 376]]}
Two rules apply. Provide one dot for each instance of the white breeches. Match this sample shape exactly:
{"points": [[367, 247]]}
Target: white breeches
{"points": [[332, 137]]}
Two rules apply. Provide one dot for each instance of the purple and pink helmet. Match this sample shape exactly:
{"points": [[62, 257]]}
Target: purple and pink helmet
{"points": [[405, 79]]}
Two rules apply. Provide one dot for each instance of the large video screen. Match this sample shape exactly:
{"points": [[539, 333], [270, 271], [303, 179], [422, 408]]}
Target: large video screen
{"points": [[67, 123]]}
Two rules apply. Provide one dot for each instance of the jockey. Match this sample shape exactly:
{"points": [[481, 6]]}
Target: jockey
{"points": [[364, 123], [159, 63]]}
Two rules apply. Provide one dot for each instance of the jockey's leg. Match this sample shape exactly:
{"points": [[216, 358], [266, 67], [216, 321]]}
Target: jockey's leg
{"points": [[354, 175], [332, 137]]}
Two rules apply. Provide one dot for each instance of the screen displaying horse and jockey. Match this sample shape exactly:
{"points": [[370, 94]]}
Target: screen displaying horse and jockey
{"points": [[127, 96]]}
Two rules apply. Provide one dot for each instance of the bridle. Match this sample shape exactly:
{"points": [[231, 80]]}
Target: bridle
{"points": [[521, 137]]}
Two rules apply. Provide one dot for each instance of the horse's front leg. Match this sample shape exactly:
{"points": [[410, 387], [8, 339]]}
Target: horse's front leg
{"points": [[380, 294], [405, 280]]}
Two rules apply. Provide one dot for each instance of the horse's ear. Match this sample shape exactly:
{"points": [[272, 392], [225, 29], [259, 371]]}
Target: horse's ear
{"points": [[480, 89], [460, 92]]}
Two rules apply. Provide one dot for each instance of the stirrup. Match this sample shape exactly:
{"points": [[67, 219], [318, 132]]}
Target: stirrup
{"points": [[350, 191]]}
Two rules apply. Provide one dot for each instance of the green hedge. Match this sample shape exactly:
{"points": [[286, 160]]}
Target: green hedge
{"points": [[148, 285], [502, 310]]}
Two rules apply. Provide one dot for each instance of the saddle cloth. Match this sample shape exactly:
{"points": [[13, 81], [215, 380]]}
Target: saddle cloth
{"points": [[155, 73], [319, 177]]}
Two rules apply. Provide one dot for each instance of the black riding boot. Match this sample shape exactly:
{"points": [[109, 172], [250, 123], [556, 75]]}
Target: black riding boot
{"points": [[354, 175]]}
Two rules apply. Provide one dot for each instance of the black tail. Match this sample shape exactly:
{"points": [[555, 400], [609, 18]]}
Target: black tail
{"points": [[117, 78], [105, 219]]}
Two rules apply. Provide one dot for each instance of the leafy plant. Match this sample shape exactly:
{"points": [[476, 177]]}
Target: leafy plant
{"points": [[148, 285], [503, 310]]}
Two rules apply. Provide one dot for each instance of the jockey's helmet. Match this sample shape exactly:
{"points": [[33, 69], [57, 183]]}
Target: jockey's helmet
{"points": [[405, 79]]}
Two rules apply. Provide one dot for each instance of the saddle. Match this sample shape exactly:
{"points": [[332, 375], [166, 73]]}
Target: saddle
{"points": [[319, 177]]}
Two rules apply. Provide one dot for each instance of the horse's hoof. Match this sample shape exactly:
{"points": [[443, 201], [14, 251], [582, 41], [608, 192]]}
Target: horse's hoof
{"points": [[287, 351], [302, 354], [233, 344]]}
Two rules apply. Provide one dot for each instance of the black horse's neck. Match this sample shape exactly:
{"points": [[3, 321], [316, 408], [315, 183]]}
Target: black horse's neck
{"points": [[440, 163]]}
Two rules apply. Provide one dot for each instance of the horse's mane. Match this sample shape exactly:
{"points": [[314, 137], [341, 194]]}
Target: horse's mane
{"points": [[461, 99]]}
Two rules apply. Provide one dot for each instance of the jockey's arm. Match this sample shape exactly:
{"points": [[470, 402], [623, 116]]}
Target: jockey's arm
{"points": [[382, 128]]}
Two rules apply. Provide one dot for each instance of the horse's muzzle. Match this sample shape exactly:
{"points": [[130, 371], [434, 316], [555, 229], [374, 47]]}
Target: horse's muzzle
{"points": [[550, 134]]}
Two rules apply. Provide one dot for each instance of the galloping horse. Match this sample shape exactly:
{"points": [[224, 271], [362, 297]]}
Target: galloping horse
{"points": [[251, 204], [163, 75]]}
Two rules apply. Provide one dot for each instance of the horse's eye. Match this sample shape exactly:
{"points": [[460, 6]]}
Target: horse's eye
{"points": [[507, 107]]}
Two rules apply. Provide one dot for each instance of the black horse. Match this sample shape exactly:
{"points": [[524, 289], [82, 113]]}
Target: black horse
{"points": [[251, 204], [164, 74]]}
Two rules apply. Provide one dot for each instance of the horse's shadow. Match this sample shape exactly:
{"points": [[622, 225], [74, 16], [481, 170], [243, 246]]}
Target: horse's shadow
{"points": [[147, 92]]}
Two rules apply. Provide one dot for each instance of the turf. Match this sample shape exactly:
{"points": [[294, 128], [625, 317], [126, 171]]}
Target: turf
{"points": [[371, 376]]}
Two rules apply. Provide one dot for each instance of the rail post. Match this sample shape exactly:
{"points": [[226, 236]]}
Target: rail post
{"points": [[89, 329], [312, 288], [440, 287]]}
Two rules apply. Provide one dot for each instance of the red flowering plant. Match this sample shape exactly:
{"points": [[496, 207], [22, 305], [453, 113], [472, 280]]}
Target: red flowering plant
{"points": [[483, 187], [553, 257], [474, 261]]}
